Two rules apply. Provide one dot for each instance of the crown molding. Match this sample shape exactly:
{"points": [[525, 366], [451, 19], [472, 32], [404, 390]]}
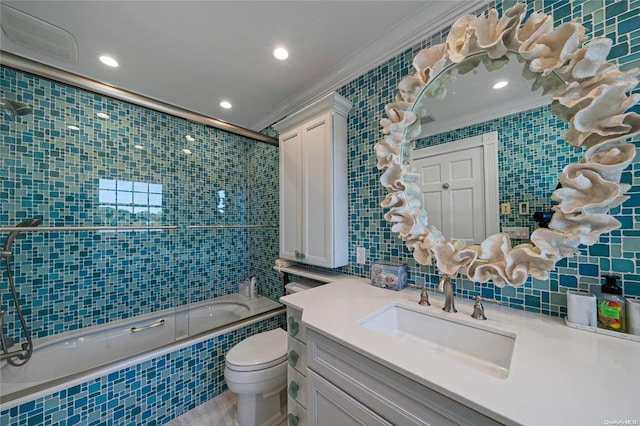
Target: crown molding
{"points": [[430, 19], [334, 101]]}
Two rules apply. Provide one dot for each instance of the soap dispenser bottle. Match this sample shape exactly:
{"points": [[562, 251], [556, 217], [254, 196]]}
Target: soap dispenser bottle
{"points": [[254, 287], [611, 307]]}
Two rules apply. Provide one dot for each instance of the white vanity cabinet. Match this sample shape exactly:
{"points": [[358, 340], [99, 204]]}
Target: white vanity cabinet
{"points": [[313, 183], [331, 406], [347, 387], [296, 369]]}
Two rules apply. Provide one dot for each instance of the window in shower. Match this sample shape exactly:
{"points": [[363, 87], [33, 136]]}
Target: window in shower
{"points": [[126, 203]]}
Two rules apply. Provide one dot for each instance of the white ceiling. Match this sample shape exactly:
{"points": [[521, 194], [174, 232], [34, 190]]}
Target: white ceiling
{"points": [[193, 54]]}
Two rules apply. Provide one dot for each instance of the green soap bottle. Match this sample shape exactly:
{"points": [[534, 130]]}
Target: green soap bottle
{"points": [[611, 307]]}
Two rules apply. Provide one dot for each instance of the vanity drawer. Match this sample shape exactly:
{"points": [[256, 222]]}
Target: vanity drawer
{"points": [[297, 386], [295, 328], [297, 355], [296, 413]]}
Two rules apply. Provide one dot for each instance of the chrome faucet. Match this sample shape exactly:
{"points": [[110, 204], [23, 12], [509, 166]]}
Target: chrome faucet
{"points": [[446, 288]]}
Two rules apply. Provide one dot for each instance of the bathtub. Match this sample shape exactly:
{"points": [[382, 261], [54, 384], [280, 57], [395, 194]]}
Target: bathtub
{"points": [[63, 360]]}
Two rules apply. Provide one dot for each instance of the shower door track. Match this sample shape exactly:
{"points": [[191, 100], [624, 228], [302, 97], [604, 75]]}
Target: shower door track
{"points": [[123, 228]]}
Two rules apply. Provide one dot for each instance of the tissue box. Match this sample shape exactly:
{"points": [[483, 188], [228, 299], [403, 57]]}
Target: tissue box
{"points": [[389, 275]]}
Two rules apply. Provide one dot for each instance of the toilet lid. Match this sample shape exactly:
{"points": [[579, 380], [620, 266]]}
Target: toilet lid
{"points": [[259, 351]]}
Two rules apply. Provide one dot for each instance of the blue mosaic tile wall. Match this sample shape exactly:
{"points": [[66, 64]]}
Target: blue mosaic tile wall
{"points": [[127, 169], [617, 253], [151, 393], [264, 193]]}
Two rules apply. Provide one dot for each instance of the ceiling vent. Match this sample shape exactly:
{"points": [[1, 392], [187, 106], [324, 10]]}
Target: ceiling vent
{"points": [[427, 119], [36, 34]]}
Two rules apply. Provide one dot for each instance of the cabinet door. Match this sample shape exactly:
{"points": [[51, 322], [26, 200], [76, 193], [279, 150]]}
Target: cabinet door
{"points": [[317, 192], [290, 194], [329, 406]]}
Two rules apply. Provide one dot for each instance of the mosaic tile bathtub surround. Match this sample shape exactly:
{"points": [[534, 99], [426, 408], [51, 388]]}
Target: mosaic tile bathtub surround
{"points": [[131, 168], [151, 393], [617, 253]]}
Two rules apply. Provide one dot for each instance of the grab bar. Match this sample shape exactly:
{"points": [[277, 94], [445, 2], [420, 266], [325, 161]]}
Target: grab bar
{"points": [[229, 226], [146, 327], [83, 228]]}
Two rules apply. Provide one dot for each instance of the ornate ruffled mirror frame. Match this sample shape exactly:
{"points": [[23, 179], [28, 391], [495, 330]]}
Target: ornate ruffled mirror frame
{"points": [[593, 100]]}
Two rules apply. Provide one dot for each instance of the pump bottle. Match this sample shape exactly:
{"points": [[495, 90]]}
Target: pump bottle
{"points": [[611, 307]]}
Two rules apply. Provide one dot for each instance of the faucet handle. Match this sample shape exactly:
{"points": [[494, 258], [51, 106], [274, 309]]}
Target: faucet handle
{"points": [[478, 310], [424, 297], [484, 299]]}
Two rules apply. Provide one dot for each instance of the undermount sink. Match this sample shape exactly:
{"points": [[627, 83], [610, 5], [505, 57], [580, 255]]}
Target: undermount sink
{"points": [[484, 348]]}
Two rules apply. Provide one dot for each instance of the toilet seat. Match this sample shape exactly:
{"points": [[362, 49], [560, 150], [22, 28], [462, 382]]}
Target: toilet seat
{"points": [[258, 352]]}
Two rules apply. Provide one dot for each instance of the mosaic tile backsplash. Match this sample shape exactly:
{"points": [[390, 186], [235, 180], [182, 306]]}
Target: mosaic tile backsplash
{"points": [[618, 252], [128, 169]]}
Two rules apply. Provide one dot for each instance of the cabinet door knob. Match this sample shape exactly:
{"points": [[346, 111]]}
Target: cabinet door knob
{"points": [[445, 185], [293, 389], [299, 254], [293, 358], [293, 326], [293, 420]]}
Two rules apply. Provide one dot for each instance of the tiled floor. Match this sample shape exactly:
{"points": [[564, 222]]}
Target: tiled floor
{"points": [[220, 411]]}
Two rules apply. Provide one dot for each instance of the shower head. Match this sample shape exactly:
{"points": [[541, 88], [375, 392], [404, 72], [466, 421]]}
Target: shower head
{"points": [[15, 107], [29, 223]]}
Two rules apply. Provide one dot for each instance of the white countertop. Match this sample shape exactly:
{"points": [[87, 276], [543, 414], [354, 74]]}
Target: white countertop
{"points": [[558, 375]]}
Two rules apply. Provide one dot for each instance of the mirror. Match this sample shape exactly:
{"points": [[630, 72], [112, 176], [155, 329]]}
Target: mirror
{"points": [[588, 93], [520, 173], [466, 95]]}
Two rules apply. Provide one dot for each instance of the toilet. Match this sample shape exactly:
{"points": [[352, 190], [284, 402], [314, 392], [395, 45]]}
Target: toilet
{"points": [[256, 369]]}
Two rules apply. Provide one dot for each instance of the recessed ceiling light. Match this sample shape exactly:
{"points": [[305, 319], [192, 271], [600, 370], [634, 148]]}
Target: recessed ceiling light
{"points": [[500, 84], [103, 115], [190, 138], [139, 146], [281, 53], [108, 60], [73, 127], [186, 151], [225, 104]]}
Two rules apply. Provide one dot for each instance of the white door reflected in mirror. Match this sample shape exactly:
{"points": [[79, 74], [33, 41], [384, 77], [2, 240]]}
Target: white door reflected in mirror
{"points": [[460, 187]]}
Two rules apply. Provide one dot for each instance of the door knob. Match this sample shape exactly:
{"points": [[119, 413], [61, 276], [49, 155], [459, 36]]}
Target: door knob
{"points": [[293, 389], [293, 358], [293, 420], [293, 326], [445, 185]]}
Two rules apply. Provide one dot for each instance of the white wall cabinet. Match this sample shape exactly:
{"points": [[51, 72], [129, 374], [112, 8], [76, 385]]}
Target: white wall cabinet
{"points": [[313, 183]]}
